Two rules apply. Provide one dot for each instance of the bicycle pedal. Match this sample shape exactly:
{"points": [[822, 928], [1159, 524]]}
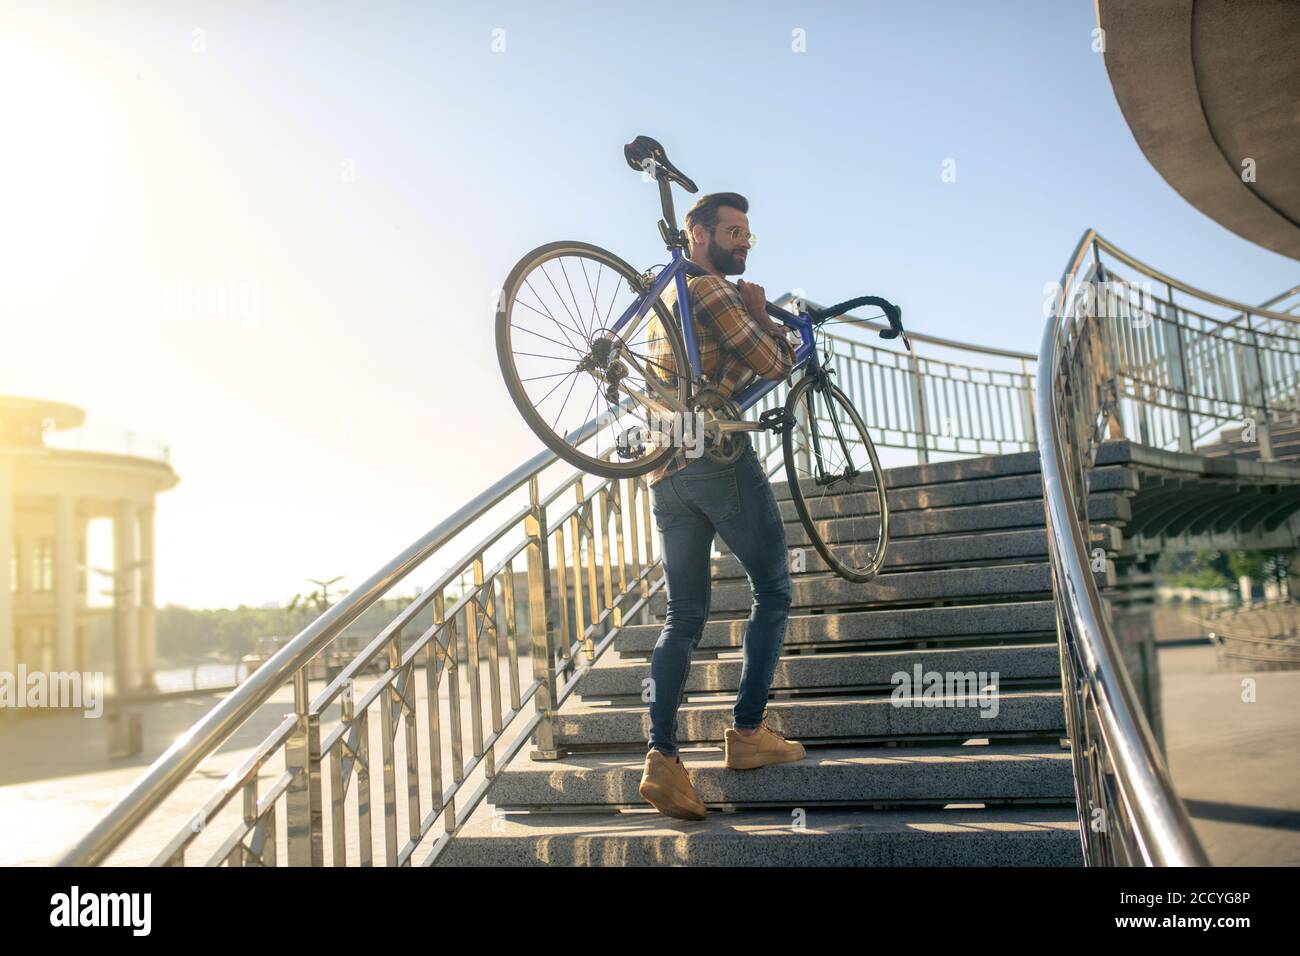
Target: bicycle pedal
{"points": [[631, 443], [777, 420]]}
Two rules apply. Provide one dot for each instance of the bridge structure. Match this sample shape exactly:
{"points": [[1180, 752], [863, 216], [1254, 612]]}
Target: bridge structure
{"points": [[501, 722]]}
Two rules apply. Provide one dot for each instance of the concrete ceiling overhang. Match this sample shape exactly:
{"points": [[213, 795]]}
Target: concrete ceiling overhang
{"points": [[1206, 85]]}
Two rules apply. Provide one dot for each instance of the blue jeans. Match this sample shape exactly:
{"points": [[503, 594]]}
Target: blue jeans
{"points": [[736, 502]]}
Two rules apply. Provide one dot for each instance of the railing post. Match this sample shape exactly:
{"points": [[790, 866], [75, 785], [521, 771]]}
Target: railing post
{"points": [[1255, 398], [1027, 407], [1112, 343], [608, 506], [539, 622], [587, 520], [637, 493], [302, 799], [1265, 427], [1173, 341], [918, 399]]}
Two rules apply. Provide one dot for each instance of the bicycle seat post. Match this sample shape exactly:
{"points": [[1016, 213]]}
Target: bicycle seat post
{"points": [[672, 236]]}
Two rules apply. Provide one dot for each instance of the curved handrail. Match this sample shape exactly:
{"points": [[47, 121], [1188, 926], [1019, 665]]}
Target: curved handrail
{"points": [[917, 390], [1143, 820], [1191, 290], [920, 383], [848, 319], [193, 747]]}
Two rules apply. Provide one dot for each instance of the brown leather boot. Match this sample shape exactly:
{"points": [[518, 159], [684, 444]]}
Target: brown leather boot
{"points": [[667, 786], [763, 747]]}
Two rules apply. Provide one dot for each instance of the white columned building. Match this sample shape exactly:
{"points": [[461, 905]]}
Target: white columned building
{"points": [[55, 478]]}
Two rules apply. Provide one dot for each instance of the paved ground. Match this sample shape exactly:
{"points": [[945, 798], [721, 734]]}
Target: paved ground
{"points": [[57, 780], [1234, 764]]}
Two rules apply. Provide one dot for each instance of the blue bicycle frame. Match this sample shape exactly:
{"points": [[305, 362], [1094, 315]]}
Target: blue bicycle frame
{"points": [[676, 272]]}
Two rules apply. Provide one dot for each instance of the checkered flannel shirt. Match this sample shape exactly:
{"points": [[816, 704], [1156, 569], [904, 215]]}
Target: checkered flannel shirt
{"points": [[733, 347]]}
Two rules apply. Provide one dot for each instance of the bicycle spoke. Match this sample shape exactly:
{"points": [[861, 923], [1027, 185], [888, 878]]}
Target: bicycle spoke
{"points": [[564, 403], [594, 293], [558, 358], [572, 295], [590, 409], [557, 385], [534, 378], [560, 325], [610, 310], [547, 315]]}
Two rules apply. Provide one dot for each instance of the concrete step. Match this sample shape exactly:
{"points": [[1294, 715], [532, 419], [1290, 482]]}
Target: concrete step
{"points": [[950, 550], [862, 670], [831, 775], [851, 500], [1106, 508], [897, 587], [1032, 836], [583, 726], [943, 472], [1011, 620]]}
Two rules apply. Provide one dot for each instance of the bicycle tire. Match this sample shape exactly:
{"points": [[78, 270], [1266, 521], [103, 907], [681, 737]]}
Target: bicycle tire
{"points": [[846, 505], [506, 354]]}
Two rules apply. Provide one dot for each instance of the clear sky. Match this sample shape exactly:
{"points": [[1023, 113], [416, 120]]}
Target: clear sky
{"points": [[270, 234]]}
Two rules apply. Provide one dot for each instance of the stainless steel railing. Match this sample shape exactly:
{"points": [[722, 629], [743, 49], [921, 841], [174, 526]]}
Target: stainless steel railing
{"points": [[303, 794], [329, 744], [962, 404], [1177, 369]]}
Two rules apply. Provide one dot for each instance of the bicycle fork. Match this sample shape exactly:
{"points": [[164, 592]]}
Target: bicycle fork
{"points": [[821, 478]]}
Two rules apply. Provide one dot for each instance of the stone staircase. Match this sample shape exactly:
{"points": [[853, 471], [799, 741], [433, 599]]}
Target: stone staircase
{"points": [[965, 588], [1229, 444]]}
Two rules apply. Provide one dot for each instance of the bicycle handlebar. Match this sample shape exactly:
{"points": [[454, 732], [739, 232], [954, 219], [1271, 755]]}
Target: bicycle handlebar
{"points": [[892, 312]]}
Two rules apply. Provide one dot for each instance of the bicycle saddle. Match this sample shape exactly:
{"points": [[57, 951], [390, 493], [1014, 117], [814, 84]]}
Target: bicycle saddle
{"points": [[643, 148]]}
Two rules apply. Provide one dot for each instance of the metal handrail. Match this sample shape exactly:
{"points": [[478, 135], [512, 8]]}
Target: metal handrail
{"points": [[299, 734], [289, 663], [1129, 813], [900, 396], [1191, 290]]}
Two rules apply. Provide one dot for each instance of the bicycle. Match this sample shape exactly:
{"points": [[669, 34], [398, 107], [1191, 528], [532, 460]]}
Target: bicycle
{"points": [[835, 479]]}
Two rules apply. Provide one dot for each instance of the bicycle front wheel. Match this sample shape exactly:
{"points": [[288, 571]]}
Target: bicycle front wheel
{"points": [[564, 368], [836, 481]]}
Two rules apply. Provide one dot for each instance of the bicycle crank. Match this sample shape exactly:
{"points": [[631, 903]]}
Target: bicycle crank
{"points": [[711, 408]]}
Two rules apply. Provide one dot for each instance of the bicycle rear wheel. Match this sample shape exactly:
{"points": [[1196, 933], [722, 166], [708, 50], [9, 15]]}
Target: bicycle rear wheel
{"points": [[558, 305], [836, 481]]}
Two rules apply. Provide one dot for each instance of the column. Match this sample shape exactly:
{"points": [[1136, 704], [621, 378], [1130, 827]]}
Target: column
{"points": [[8, 638], [65, 583], [148, 613], [126, 630]]}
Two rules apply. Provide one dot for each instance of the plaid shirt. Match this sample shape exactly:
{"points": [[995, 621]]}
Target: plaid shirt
{"points": [[733, 347]]}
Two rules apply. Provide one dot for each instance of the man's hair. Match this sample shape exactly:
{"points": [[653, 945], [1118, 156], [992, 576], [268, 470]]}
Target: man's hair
{"points": [[705, 211]]}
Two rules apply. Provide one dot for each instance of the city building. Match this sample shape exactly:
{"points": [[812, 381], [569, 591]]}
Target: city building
{"points": [[56, 477]]}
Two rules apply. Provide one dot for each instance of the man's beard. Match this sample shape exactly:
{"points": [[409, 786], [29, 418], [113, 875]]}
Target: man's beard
{"points": [[727, 263]]}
